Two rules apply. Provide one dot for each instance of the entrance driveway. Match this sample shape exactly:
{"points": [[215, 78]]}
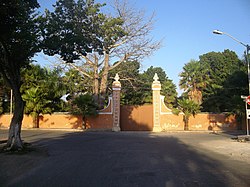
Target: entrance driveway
{"points": [[62, 158]]}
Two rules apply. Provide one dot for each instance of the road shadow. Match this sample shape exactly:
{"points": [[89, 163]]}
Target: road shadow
{"points": [[117, 159]]}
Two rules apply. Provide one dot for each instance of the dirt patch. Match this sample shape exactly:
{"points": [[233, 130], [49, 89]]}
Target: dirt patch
{"points": [[234, 149], [14, 164]]}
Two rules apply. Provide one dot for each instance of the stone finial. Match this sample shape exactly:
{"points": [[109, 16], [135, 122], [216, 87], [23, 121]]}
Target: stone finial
{"points": [[156, 78], [116, 84], [117, 77], [156, 85]]}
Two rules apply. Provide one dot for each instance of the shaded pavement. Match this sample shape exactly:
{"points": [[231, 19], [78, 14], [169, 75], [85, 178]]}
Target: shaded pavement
{"points": [[62, 158]]}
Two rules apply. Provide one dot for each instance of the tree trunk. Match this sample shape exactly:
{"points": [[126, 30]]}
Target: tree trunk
{"points": [[96, 81], [14, 141], [185, 119], [104, 81], [196, 96], [36, 120], [84, 124]]}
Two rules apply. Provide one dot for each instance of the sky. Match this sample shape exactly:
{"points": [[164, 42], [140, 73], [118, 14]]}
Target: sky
{"points": [[185, 27]]}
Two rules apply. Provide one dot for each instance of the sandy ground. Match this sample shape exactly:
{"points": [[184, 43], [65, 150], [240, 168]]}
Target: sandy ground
{"points": [[235, 150]]}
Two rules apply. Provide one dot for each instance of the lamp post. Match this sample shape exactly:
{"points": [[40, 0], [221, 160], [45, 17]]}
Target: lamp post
{"points": [[247, 61]]}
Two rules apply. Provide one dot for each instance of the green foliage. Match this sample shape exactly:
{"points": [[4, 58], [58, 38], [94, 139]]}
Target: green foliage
{"points": [[78, 31], [227, 80], [19, 31], [75, 83], [77, 28], [168, 89], [35, 104], [194, 79], [136, 86], [188, 107], [132, 87], [68, 30], [19, 41], [216, 81], [85, 106], [41, 91]]}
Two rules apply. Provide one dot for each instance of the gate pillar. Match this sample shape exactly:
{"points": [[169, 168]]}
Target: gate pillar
{"points": [[156, 87], [116, 87]]}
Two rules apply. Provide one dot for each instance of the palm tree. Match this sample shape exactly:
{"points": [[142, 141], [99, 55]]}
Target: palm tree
{"points": [[35, 104], [188, 107], [194, 80]]}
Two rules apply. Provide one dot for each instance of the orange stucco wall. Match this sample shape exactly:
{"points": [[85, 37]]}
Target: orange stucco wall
{"points": [[5, 121], [103, 121], [66, 121], [62, 121], [201, 121], [138, 118], [205, 121], [171, 122]]}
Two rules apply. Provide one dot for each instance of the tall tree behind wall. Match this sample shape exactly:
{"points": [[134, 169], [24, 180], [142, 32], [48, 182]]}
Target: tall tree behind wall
{"points": [[98, 40], [222, 70], [132, 87], [168, 88]]}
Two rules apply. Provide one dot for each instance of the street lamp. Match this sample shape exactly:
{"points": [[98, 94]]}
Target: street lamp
{"points": [[247, 61]]}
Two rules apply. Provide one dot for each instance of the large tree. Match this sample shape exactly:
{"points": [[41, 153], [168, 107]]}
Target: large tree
{"points": [[100, 41], [18, 43], [79, 33], [222, 68]]}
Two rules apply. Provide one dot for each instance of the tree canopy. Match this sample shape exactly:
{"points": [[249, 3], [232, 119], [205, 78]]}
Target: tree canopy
{"points": [[72, 29], [136, 85], [222, 67], [168, 88]]}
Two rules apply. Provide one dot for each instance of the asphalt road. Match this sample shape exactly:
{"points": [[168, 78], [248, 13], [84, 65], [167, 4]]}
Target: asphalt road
{"points": [[129, 159]]}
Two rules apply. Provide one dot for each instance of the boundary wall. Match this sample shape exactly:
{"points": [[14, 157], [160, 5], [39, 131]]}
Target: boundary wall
{"points": [[156, 117]]}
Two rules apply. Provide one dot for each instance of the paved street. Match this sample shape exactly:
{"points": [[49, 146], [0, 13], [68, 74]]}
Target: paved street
{"points": [[63, 158]]}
